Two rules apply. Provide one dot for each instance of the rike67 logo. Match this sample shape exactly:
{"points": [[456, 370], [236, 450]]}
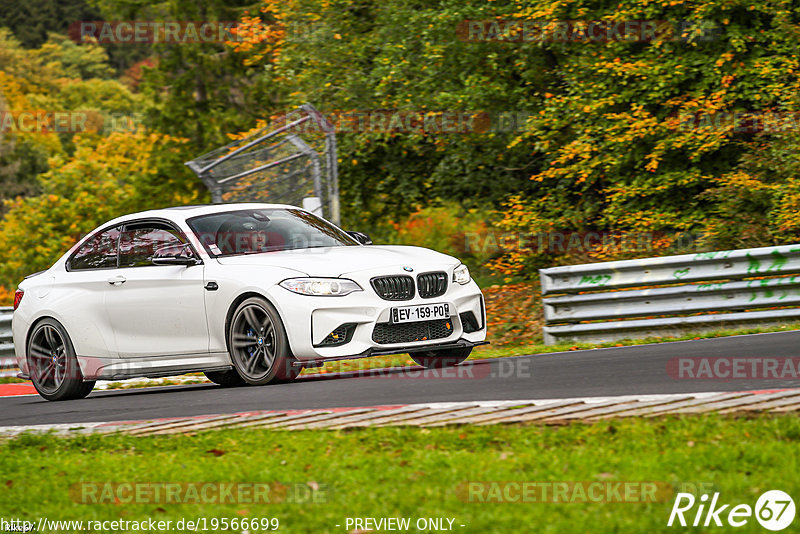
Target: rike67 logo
{"points": [[774, 510]]}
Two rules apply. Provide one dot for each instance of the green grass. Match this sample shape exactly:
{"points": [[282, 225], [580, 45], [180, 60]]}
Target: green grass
{"points": [[412, 472], [11, 380]]}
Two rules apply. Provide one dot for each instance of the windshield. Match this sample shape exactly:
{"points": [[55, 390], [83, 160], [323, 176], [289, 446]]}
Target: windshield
{"points": [[265, 230]]}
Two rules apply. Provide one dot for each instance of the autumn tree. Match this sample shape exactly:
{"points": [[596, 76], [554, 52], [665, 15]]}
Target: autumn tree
{"points": [[106, 177]]}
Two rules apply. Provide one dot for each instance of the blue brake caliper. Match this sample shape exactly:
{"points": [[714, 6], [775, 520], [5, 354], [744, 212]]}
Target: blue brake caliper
{"points": [[252, 349]]}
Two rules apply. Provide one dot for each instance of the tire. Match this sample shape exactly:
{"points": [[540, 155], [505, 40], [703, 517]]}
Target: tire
{"points": [[86, 387], [228, 379], [258, 345], [52, 363], [439, 359]]}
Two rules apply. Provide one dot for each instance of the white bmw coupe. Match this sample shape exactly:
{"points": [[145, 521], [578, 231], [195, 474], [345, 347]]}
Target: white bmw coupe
{"points": [[246, 293]]}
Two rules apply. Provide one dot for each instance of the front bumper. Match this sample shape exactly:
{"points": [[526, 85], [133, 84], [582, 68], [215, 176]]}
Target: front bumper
{"points": [[460, 344], [309, 320]]}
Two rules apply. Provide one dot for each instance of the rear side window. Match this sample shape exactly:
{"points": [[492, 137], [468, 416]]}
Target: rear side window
{"points": [[140, 241], [99, 252]]}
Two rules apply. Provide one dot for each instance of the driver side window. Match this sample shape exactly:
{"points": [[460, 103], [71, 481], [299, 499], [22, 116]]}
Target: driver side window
{"points": [[140, 241]]}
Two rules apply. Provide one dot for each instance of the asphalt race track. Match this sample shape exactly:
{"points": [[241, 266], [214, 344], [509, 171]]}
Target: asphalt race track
{"points": [[602, 372]]}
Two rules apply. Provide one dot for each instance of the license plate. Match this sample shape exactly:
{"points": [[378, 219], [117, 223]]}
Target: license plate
{"points": [[423, 312]]}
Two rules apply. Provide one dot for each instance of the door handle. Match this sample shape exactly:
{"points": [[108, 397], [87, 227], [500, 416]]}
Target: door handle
{"points": [[117, 280]]}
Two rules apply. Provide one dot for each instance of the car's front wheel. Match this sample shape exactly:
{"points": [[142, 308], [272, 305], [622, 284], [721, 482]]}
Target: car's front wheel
{"points": [[53, 365], [258, 344], [438, 359]]}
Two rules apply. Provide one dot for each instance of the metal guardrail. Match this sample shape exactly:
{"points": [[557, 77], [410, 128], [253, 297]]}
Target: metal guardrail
{"points": [[8, 363], [602, 302]]}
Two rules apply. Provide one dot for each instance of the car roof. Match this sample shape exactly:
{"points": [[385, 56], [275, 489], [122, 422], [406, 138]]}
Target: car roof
{"points": [[181, 213]]}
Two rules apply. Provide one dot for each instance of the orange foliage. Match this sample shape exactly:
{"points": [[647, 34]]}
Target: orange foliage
{"points": [[260, 36], [513, 313], [6, 296]]}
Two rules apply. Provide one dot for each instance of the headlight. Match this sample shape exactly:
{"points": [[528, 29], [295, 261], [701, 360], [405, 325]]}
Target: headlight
{"points": [[322, 287], [461, 275]]}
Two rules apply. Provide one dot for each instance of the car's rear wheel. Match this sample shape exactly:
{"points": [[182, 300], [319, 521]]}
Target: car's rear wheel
{"points": [[258, 344], [53, 365], [438, 359], [225, 378]]}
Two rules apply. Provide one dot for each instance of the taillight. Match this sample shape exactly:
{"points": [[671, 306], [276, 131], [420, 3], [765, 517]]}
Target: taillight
{"points": [[18, 297]]}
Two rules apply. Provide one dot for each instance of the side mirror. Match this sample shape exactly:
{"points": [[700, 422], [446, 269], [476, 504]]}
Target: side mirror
{"points": [[175, 255], [361, 237]]}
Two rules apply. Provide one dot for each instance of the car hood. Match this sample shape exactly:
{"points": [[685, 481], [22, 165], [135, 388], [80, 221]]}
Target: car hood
{"points": [[339, 261]]}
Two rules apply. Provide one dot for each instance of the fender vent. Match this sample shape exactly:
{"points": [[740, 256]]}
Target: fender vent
{"points": [[341, 335], [468, 322]]}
